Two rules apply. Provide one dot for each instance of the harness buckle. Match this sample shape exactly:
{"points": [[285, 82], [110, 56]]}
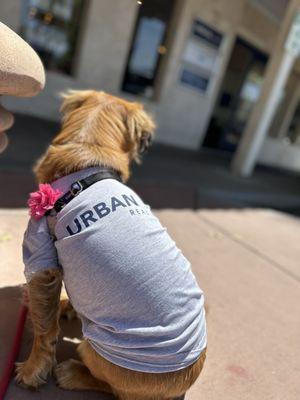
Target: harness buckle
{"points": [[76, 188]]}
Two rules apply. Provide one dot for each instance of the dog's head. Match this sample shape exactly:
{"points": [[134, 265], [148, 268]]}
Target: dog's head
{"points": [[98, 129]]}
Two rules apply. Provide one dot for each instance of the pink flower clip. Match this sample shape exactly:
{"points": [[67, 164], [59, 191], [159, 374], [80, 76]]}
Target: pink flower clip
{"points": [[42, 200]]}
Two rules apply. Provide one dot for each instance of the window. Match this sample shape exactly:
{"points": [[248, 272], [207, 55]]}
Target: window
{"points": [[148, 46], [51, 28]]}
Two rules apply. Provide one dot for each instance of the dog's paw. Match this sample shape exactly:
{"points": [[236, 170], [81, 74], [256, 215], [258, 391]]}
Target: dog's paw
{"points": [[66, 310], [31, 375], [65, 374], [74, 375]]}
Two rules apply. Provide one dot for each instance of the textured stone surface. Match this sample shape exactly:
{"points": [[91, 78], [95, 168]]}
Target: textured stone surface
{"points": [[246, 262], [21, 70]]}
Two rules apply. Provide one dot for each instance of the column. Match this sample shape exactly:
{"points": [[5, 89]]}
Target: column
{"points": [[277, 73]]}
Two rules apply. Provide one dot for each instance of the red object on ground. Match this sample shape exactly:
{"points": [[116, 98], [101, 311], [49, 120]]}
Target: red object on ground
{"points": [[9, 367]]}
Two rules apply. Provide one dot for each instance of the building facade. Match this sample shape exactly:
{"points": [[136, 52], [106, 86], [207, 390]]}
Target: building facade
{"points": [[197, 65]]}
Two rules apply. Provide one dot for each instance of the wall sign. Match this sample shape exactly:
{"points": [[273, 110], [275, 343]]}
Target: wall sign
{"points": [[207, 34], [200, 57], [195, 80]]}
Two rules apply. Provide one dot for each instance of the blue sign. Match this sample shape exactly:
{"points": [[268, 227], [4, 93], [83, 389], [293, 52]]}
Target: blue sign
{"points": [[197, 81]]}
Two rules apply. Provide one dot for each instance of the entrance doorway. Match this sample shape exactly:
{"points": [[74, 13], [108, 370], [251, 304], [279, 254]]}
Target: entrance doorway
{"points": [[239, 91]]}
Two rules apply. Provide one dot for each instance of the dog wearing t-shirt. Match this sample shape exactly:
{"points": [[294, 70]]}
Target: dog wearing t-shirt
{"points": [[142, 311]]}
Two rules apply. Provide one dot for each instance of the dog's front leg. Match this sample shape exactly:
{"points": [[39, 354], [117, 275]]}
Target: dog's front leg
{"points": [[44, 294]]}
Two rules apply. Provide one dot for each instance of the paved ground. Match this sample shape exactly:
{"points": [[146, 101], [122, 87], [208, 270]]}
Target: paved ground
{"points": [[167, 178], [248, 265]]}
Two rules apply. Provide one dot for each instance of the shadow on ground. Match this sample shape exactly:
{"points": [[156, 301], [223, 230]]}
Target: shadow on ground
{"points": [[167, 178], [10, 302]]}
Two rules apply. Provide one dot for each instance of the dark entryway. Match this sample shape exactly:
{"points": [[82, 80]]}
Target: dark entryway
{"points": [[239, 92]]}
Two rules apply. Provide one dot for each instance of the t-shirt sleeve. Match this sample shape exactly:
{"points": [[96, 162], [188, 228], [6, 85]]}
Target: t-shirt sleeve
{"points": [[39, 252]]}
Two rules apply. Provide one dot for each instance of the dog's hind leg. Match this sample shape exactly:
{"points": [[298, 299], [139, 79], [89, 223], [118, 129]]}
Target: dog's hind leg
{"points": [[74, 375]]}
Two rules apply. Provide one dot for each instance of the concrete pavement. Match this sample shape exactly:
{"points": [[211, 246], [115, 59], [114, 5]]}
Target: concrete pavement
{"points": [[246, 261]]}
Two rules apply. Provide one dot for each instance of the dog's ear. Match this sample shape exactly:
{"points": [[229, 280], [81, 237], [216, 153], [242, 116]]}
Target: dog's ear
{"points": [[140, 127], [73, 99]]}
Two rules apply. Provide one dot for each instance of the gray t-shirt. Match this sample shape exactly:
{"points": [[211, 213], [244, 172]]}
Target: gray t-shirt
{"points": [[139, 302]]}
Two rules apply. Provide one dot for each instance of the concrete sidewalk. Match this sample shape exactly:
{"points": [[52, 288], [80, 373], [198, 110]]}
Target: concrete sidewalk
{"points": [[247, 262]]}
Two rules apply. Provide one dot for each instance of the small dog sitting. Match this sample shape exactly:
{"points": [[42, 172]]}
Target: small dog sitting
{"points": [[142, 312]]}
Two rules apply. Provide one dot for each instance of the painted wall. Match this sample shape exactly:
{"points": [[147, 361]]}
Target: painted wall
{"points": [[278, 153], [10, 13], [182, 113], [105, 42]]}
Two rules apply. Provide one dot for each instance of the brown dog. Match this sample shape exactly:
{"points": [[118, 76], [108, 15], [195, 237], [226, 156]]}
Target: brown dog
{"points": [[98, 130]]}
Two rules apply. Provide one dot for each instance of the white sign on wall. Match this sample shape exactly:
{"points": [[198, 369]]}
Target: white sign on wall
{"points": [[200, 56]]}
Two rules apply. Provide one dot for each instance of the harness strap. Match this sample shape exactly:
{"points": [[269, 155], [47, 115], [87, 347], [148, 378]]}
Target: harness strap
{"points": [[82, 184], [76, 188], [51, 220]]}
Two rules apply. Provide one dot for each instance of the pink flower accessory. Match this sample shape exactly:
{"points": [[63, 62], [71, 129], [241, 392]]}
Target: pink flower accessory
{"points": [[42, 200]]}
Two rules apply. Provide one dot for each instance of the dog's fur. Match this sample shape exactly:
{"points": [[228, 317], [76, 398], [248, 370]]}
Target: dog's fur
{"points": [[98, 129]]}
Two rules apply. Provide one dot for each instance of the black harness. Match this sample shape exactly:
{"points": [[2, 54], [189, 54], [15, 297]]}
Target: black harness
{"points": [[80, 185], [76, 188]]}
